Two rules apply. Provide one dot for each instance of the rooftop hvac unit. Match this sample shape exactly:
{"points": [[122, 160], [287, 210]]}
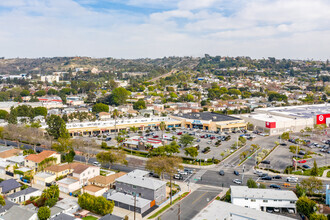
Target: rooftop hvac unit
{"points": [[197, 115], [214, 117]]}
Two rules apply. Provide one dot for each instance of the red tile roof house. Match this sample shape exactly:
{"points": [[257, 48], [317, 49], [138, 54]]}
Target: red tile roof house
{"points": [[34, 160]]}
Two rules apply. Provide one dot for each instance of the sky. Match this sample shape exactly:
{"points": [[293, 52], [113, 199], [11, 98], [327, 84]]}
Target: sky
{"points": [[295, 29]]}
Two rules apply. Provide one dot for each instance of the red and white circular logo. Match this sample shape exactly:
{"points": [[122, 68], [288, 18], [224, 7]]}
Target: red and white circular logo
{"points": [[321, 118]]}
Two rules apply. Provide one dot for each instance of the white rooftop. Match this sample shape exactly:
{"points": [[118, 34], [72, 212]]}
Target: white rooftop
{"points": [[255, 193], [16, 159], [129, 199], [302, 111], [222, 210], [24, 169], [267, 117], [136, 178], [67, 181], [44, 175], [111, 122]]}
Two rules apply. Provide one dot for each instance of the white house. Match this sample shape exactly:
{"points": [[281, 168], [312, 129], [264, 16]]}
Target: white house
{"points": [[24, 195], [263, 199]]}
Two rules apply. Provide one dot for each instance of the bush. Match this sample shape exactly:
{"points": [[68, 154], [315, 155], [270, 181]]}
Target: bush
{"points": [[98, 205]]}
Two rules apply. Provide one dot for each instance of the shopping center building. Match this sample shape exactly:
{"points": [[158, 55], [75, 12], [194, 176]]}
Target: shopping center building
{"points": [[290, 118]]}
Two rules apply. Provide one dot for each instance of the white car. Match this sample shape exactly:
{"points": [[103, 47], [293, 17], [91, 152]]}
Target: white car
{"points": [[97, 164], [276, 210], [292, 179], [237, 181], [291, 211]]}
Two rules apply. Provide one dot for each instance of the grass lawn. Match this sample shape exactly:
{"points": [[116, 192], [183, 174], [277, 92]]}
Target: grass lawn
{"points": [[308, 172], [89, 218]]}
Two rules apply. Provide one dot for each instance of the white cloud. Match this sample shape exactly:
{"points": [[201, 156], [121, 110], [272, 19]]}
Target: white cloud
{"points": [[257, 28]]}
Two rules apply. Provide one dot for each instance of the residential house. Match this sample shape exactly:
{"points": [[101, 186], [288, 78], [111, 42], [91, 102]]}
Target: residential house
{"points": [[105, 181], [68, 205], [10, 153], [263, 199], [93, 190], [24, 195], [6, 207], [17, 212], [144, 187], [34, 160], [68, 185], [44, 178], [4, 165], [19, 160], [85, 172], [10, 186], [60, 169], [104, 116], [63, 216]]}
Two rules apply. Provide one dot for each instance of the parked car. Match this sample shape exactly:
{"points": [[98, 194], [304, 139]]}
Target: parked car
{"points": [[212, 137], [108, 139], [292, 179], [266, 178], [302, 161], [155, 136], [237, 181], [179, 133], [306, 166], [178, 177], [276, 210], [283, 144], [275, 186], [277, 177], [96, 164], [189, 171], [265, 162], [291, 211], [302, 152], [222, 173], [236, 172]]}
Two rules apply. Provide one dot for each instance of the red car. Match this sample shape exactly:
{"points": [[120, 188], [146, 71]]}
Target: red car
{"points": [[302, 161], [179, 133], [156, 136], [212, 137]]}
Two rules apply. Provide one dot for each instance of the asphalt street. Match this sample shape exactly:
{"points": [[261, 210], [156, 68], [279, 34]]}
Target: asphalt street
{"points": [[192, 204]]}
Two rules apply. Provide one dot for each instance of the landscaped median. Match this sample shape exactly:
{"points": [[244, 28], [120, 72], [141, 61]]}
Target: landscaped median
{"points": [[169, 205], [248, 156]]}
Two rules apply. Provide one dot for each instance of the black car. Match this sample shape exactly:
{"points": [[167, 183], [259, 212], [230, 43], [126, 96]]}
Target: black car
{"points": [[108, 139], [222, 173], [283, 144], [265, 161], [274, 186], [306, 166], [266, 178], [302, 152], [277, 177], [236, 173]]}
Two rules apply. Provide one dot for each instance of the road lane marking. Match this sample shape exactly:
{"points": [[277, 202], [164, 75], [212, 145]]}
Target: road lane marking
{"points": [[198, 198]]}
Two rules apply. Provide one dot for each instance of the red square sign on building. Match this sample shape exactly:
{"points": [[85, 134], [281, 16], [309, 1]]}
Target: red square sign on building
{"points": [[270, 124], [321, 119]]}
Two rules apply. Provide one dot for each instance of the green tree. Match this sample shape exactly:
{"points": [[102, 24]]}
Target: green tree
{"points": [[3, 114], [118, 96], [2, 201], [251, 183], [162, 127], [305, 206], [52, 92], [111, 157], [25, 93], [40, 111], [44, 213], [311, 184], [98, 205], [316, 216], [191, 151], [315, 169], [285, 136], [186, 140], [56, 127], [140, 104], [100, 107], [300, 191], [40, 93]]}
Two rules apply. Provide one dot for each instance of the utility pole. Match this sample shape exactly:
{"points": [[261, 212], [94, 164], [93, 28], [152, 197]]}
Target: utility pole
{"points": [[179, 211], [134, 206]]}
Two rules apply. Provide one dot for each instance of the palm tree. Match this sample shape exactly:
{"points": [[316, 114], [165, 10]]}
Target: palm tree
{"points": [[162, 126]]}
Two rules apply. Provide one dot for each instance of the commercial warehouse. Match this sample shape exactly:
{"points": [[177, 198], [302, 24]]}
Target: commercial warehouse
{"points": [[291, 118]]}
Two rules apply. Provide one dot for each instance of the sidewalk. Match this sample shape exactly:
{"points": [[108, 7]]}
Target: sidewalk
{"points": [[288, 175]]}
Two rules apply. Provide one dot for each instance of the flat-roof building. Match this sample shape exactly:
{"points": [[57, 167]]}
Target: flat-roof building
{"points": [[211, 121], [290, 118], [263, 199]]}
